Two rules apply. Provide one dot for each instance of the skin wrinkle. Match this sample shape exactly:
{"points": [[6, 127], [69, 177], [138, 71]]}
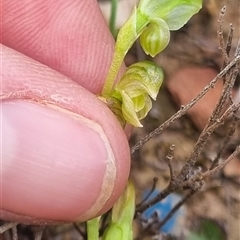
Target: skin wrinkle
{"points": [[31, 89], [23, 25], [41, 87], [48, 40]]}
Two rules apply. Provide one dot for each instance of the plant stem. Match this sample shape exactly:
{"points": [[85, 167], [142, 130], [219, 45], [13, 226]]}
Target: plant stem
{"points": [[93, 229], [113, 16], [127, 35]]}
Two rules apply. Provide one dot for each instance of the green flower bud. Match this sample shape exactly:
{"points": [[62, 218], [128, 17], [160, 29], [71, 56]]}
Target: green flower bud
{"points": [[155, 37]]}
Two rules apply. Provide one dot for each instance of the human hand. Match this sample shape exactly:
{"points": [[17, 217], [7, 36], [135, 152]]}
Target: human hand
{"points": [[58, 141]]}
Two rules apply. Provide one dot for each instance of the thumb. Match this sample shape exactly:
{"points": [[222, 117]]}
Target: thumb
{"points": [[64, 155]]}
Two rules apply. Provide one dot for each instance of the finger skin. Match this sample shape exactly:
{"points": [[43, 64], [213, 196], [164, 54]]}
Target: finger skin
{"points": [[46, 95], [70, 36]]}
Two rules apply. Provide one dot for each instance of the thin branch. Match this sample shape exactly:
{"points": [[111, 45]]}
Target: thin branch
{"points": [[163, 194], [14, 233], [220, 166], [80, 231], [226, 140], [7, 226], [214, 120], [38, 232], [169, 159], [201, 176], [194, 182], [237, 52], [221, 38], [228, 79], [155, 179], [202, 140], [155, 224], [229, 41], [175, 209]]}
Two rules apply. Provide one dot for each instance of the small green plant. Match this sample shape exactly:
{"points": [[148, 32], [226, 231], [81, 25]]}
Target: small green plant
{"points": [[120, 226], [129, 99], [152, 21]]}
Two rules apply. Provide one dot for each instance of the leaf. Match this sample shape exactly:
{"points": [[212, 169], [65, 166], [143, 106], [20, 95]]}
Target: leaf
{"points": [[92, 228], [120, 227], [175, 13], [128, 110], [208, 230]]}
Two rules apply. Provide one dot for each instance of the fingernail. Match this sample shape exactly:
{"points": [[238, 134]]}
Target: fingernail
{"points": [[54, 162]]}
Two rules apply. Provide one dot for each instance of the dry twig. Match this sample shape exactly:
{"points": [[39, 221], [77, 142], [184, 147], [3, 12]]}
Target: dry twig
{"points": [[188, 177]]}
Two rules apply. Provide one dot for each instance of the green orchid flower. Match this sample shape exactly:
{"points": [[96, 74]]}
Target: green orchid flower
{"points": [[159, 16], [152, 21], [140, 81]]}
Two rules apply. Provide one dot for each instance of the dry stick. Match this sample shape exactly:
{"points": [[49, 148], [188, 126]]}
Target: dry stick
{"points": [[14, 233], [199, 145], [180, 180], [202, 141], [226, 140], [80, 231], [206, 133], [169, 158], [214, 122], [229, 41], [156, 227], [185, 108], [237, 67], [163, 194], [233, 126], [227, 80], [218, 123], [38, 232], [237, 52], [220, 36], [226, 93], [7, 226], [220, 166], [155, 179], [175, 208]]}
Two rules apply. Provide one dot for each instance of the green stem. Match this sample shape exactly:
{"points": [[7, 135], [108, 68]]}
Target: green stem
{"points": [[112, 22], [127, 35], [93, 229]]}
